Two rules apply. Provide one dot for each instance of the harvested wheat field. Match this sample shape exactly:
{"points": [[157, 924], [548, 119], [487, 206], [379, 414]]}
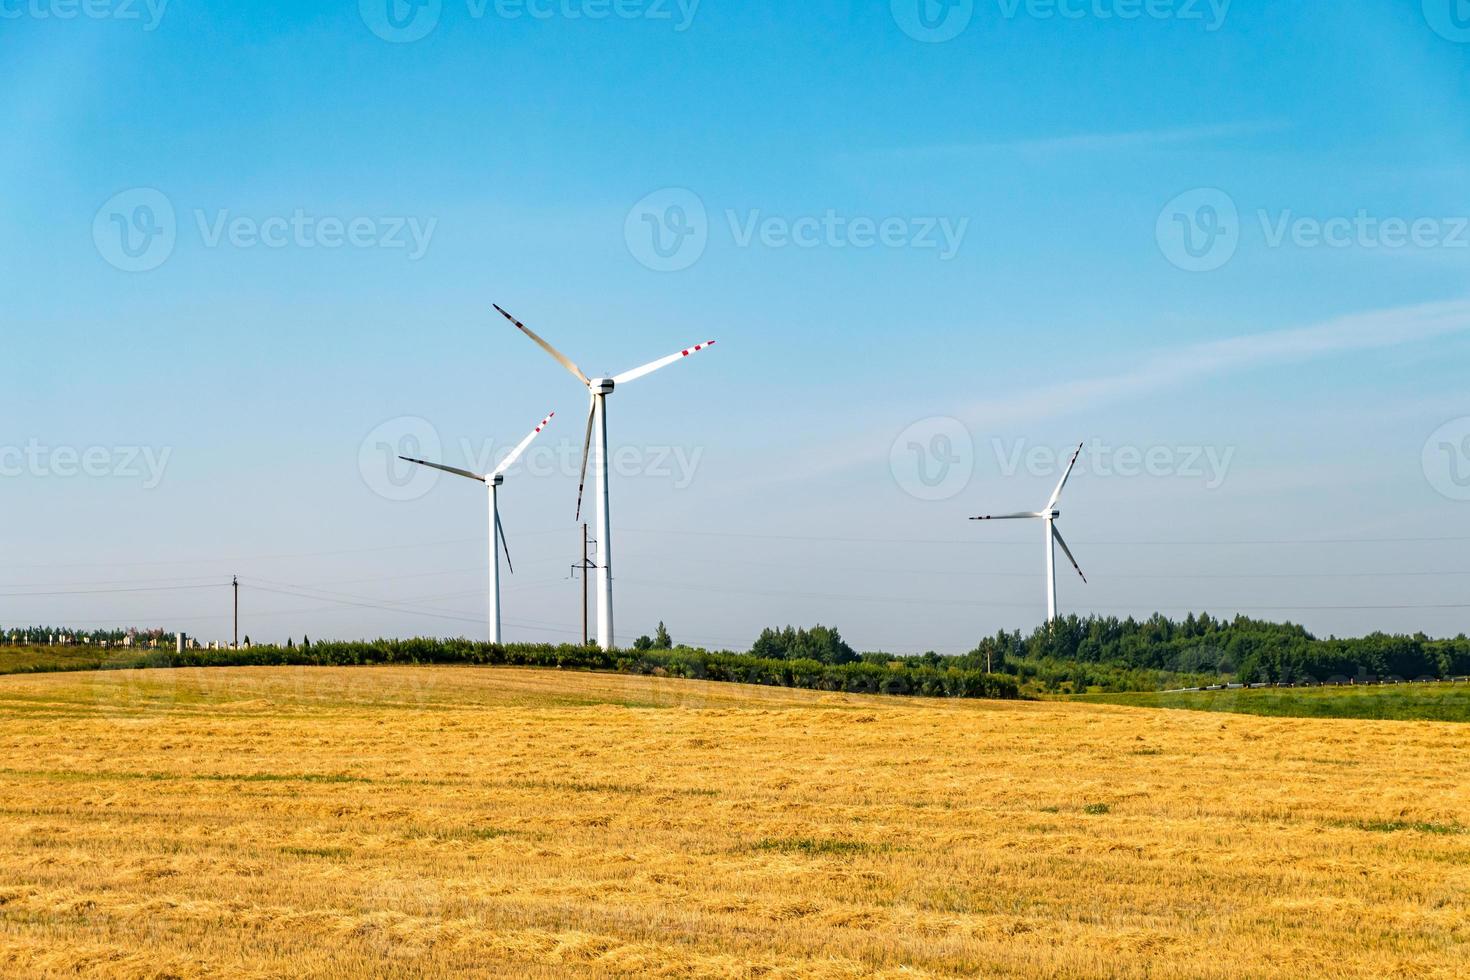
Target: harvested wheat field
{"points": [[451, 821]]}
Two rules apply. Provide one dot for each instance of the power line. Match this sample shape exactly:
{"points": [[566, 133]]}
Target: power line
{"points": [[43, 595], [972, 542], [281, 557], [970, 573], [899, 600]]}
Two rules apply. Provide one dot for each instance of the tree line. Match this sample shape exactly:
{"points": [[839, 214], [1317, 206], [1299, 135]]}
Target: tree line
{"points": [[1131, 654]]}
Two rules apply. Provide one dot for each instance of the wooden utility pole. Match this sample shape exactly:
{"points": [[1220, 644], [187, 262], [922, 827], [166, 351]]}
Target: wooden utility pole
{"points": [[586, 565], [236, 585]]}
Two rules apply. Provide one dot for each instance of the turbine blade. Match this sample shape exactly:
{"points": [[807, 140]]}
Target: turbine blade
{"points": [[505, 547], [1062, 541], [517, 452], [447, 469], [561, 358], [662, 362], [586, 451], [1057, 495], [1005, 517]]}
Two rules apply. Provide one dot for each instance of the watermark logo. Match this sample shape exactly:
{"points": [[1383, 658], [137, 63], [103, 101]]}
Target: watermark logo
{"points": [[149, 13], [146, 464], [1363, 231], [675, 465], [406, 21], [1447, 459], [1209, 465], [1450, 19], [390, 477], [933, 459], [937, 21], [401, 21], [945, 236], [126, 694], [393, 478], [668, 230], [299, 229], [136, 230], [1199, 231], [933, 21], [1210, 13]]}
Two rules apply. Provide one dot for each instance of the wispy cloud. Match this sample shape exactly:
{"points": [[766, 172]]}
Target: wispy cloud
{"points": [[1161, 370], [1175, 367]]}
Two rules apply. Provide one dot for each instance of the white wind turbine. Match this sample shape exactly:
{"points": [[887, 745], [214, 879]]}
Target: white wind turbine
{"points": [[1049, 514], [599, 389], [492, 481]]}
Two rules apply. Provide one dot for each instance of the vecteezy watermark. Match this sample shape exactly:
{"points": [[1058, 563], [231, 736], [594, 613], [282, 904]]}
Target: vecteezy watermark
{"points": [[148, 13], [143, 463], [138, 230], [1363, 230], [936, 21], [302, 230], [933, 459], [933, 21], [678, 465], [1208, 464], [1446, 459], [1450, 19], [1201, 230], [670, 229], [387, 474], [834, 230], [406, 21]]}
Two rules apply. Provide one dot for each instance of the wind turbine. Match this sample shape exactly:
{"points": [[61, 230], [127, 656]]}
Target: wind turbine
{"points": [[1049, 514], [599, 389], [493, 481]]}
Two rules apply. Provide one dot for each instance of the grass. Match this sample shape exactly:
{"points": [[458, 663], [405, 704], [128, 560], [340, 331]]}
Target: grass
{"points": [[447, 821], [814, 847], [1391, 702], [1398, 826], [27, 659]]}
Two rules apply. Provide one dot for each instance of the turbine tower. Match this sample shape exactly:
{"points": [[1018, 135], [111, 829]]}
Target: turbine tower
{"points": [[493, 481], [599, 389], [1049, 514]]}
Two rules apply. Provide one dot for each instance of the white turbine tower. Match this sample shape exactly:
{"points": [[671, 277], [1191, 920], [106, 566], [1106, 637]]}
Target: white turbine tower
{"points": [[599, 389], [492, 481], [1049, 514]]}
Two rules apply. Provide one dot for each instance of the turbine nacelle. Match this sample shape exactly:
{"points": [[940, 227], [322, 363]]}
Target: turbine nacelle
{"points": [[599, 389], [1054, 538], [493, 480]]}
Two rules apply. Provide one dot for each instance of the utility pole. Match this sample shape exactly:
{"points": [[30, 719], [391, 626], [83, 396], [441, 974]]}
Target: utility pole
{"points": [[236, 586], [586, 565]]}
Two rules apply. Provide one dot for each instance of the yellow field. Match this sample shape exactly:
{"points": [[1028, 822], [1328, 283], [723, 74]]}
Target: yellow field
{"points": [[451, 821]]}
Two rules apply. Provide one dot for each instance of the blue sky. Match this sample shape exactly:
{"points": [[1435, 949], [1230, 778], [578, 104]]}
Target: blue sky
{"points": [[1229, 238]]}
